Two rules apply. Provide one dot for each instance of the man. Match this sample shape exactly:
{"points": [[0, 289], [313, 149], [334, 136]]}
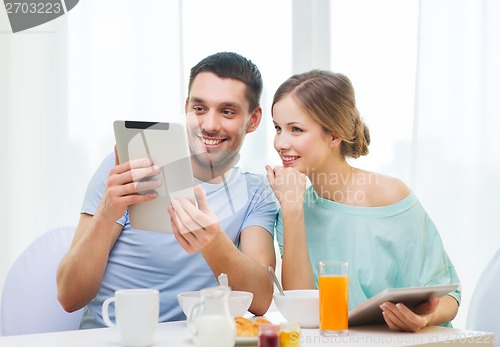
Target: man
{"points": [[230, 231]]}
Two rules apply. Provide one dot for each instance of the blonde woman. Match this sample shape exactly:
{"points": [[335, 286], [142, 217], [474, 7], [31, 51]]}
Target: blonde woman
{"points": [[372, 221]]}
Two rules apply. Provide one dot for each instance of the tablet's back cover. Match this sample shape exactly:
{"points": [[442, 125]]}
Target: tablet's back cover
{"points": [[166, 144]]}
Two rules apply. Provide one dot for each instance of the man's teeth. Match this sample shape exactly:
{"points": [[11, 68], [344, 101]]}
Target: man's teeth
{"points": [[211, 142], [289, 158]]}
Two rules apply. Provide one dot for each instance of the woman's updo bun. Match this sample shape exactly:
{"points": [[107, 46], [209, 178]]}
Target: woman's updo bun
{"points": [[358, 146]]}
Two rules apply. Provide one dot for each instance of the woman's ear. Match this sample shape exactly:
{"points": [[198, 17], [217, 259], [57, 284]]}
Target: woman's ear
{"points": [[334, 141]]}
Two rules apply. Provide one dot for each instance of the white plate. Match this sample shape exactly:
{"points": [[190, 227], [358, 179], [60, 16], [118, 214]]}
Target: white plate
{"points": [[246, 340]]}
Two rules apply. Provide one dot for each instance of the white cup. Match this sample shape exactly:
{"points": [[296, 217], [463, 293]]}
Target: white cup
{"points": [[136, 312]]}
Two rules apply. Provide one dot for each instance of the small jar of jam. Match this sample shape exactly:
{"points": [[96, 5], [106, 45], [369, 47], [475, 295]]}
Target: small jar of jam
{"points": [[269, 335]]}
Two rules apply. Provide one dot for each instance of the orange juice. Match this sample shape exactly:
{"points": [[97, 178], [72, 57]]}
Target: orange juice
{"points": [[290, 339], [333, 304]]}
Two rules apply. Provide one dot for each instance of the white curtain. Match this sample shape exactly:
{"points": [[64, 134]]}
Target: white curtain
{"points": [[456, 154], [62, 85], [426, 75], [34, 145]]}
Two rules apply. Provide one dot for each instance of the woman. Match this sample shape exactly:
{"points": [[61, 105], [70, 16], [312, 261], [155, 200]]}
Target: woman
{"points": [[372, 221]]}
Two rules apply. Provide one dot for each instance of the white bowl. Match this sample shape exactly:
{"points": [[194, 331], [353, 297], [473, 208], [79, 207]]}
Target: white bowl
{"points": [[239, 302], [299, 306]]}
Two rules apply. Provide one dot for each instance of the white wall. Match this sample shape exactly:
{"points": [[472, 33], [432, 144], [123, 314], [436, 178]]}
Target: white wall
{"points": [[62, 85]]}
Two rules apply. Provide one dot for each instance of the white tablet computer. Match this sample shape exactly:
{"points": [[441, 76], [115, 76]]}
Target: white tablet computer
{"points": [[369, 311], [166, 144]]}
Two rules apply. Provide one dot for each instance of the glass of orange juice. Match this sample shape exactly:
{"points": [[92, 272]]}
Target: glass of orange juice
{"points": [[333, 298]]}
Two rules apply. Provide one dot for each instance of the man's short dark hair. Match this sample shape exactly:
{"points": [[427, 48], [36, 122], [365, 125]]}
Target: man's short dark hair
{"points": [[234, 66]]}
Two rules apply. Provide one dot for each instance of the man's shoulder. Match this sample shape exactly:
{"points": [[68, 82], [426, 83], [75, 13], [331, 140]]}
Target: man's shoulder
{"points": [[252, 178], [108, 161], [106, 164]]}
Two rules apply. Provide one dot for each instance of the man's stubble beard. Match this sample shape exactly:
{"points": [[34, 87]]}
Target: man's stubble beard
{"points": [[218, 167]]}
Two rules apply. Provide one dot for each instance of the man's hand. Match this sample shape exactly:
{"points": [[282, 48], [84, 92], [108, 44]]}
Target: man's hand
{"points": [[194, 227], [125, 187]]}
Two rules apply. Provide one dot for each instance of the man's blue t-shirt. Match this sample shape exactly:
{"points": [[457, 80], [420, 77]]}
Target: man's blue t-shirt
{"points": [[149, 259]]}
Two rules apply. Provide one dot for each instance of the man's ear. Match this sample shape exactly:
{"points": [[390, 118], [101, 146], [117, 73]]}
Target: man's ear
{"points": [[254, 120], [186, 106]]}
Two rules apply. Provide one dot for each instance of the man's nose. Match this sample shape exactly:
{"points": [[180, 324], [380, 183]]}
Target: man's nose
{"points": [[211, 122]]}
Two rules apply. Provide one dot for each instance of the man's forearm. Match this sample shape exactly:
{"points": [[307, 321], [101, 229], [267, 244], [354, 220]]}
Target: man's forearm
{"points": [[244, 273], [81, 270]]}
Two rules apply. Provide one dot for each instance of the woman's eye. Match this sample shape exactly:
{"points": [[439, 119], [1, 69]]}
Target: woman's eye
{"points": [[277, 128], [295, 129]]}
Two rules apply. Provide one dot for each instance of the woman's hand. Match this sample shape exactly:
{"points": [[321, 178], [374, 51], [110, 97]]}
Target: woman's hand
{"points": [[400, 318], [288, 185]]}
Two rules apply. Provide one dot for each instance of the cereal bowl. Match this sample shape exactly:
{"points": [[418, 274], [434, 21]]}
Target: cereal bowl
{"points": [[299, 306], [239, 302]]}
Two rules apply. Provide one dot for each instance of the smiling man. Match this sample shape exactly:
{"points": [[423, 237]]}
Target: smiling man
{"points": [[229, 230], [219, 115]]}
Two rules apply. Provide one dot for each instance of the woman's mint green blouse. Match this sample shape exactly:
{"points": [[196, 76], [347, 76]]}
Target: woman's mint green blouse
{"points": [[386, 247]]}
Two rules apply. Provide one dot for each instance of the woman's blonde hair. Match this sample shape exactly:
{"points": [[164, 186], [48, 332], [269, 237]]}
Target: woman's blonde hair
{"points": [[329, 99]]}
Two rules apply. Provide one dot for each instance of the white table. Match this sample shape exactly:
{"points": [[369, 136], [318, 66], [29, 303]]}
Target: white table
{"points": [[176, 334]]}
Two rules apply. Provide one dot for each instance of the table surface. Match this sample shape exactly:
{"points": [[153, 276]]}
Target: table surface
{"points": [[176, 334]]}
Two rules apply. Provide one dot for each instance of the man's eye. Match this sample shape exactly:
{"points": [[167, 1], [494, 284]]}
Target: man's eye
{"points": [[227, 112], [197, 108]]}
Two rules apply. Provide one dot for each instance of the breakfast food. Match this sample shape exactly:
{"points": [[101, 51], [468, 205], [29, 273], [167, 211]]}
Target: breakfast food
{"points": [[247, 328]]}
